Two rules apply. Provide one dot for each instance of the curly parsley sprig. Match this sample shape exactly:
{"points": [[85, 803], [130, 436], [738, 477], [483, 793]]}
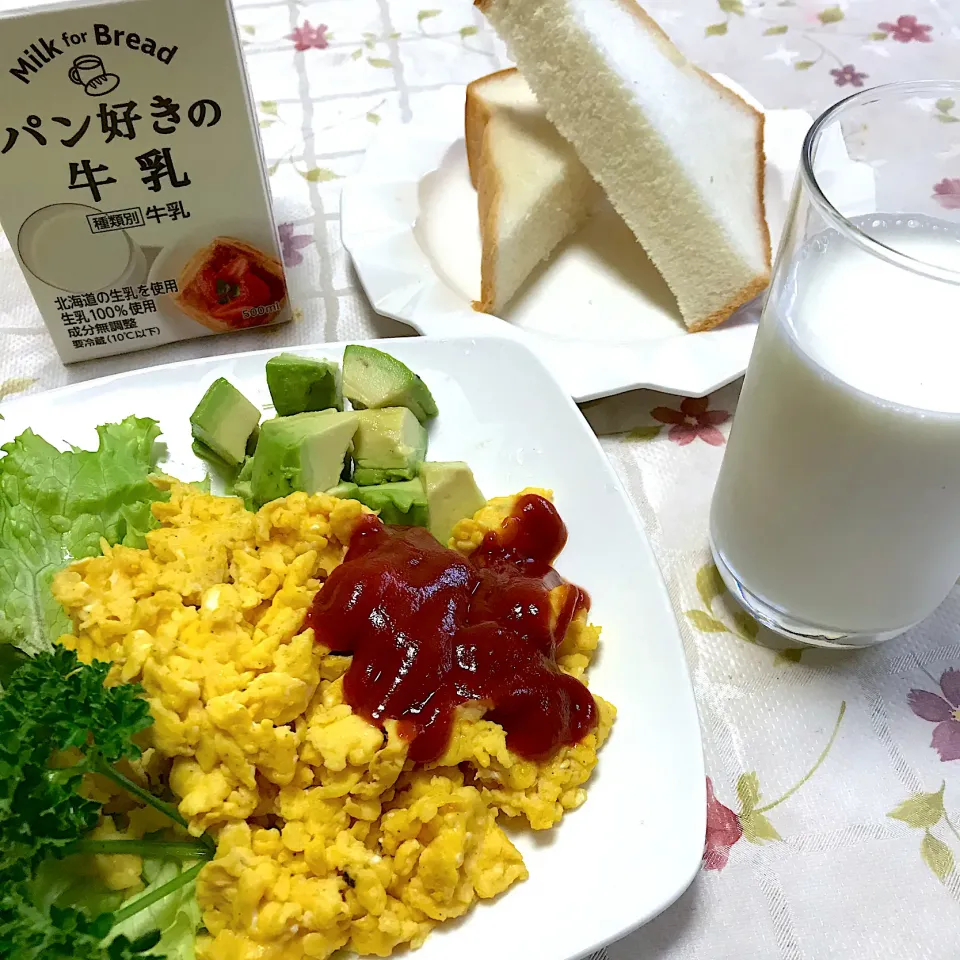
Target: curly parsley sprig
{"points": [[59, 723]]}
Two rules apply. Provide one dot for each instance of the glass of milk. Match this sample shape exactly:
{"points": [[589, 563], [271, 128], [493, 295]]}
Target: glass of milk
{"points": [[836, 517]]}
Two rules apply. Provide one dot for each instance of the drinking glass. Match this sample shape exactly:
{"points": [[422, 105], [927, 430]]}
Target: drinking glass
{"points": [[836, 517]]}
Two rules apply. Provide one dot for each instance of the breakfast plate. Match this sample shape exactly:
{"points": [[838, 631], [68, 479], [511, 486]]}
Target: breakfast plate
{"points": [[597, 313], [637, 842]]}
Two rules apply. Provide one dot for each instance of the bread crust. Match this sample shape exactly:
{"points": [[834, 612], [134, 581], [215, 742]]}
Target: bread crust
{"points": [[488, 182], [748, 293], [760, 281], [489, 191], [476, 117]]}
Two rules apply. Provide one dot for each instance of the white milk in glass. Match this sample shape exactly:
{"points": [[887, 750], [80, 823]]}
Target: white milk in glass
{"points": [[839, 499]]}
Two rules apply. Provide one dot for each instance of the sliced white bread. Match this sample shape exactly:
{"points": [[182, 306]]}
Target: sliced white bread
{"points": [[532, 190], [679, 155]]}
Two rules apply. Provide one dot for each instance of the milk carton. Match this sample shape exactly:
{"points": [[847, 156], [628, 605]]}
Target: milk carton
{"points": [[132, 185]]}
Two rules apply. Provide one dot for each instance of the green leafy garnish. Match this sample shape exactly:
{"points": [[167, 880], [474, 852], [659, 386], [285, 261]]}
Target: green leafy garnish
{"points": [[55, 507], [176, 914], [27, 933], [54, 703], [59, 723]]}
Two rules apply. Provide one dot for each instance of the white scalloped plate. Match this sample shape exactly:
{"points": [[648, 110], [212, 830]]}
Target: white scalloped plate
{"points": [[597, 313], [636, 843]]}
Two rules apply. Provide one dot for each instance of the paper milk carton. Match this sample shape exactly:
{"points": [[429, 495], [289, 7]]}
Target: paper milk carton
{"points": [[132, 185]]}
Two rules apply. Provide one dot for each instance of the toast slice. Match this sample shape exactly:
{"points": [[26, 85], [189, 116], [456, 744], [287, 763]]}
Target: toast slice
{"points": [[532, 190], [679, 156]]}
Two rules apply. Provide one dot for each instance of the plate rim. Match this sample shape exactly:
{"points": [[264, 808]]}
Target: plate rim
{"points": [[22, 405]]}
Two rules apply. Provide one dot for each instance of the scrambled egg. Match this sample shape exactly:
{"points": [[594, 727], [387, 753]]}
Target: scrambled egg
{"points": [[327, 836]]}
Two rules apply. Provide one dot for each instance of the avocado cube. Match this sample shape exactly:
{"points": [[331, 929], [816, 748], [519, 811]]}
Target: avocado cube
{"points": [[389, 445], [344, 490], [373, 380], [252, 441], [303, 452], [402, 504], [303, 385], [452, 494], [242, 486], [224, 421], [370, 477], [205, 453]]}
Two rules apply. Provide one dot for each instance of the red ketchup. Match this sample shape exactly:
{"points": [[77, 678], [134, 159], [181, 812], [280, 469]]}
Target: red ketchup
{"points": [[430, 630]]}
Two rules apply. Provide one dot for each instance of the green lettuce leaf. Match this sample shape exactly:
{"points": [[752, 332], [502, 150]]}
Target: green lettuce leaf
{"points": [[177, 916], [71, 883], [55, 507], [68, 883]]}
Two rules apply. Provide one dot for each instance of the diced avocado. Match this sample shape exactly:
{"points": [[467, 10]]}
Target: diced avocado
{"points": [[303, 385], [323, 455], [252, 441], [243, 486], [452, 494], [205, 453], [403, 503], [373, 380], [371, 476], [303, 452], [224, 421], [389, 445], [345, 490]]}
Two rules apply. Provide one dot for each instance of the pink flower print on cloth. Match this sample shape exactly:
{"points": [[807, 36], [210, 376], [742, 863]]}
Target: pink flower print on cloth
{"points": [[292, 243], [907, 29], [309, 37], [943, 709], [848, 74], [723, 831], [947, 193], [691, 421]]}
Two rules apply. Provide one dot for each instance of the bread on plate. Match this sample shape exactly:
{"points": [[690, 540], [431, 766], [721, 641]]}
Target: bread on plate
{"points": [[532, 190], [678, 154]]}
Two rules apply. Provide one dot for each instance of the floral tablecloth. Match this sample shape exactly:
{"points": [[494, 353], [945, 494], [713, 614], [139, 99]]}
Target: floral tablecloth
{"points": [[834, 780]]}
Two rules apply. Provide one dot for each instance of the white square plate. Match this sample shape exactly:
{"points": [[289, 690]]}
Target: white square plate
{"points": [[636, 844], [597, 313]]}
